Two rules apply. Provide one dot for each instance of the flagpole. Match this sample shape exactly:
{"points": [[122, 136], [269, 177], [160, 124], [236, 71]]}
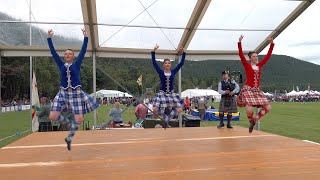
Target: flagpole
{"points": [[141, 89], [139, 81], [179, 89]]}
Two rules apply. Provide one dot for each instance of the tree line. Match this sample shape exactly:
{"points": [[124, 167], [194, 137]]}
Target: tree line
{"points": [[281, 73]]}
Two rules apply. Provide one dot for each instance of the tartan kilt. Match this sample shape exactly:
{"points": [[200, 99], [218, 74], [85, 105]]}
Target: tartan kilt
{"points": [[164, 100], [228, 104], [252, 97], [73, 100]]}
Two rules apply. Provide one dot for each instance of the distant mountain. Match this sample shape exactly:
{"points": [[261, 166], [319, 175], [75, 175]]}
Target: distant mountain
{"points": [[17, 34], [280, 72]]}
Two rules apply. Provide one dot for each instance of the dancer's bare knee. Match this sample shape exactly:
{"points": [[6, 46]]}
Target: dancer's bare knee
{"points": [[78, 118], [249, 109], [268, 107], [54, 115]]}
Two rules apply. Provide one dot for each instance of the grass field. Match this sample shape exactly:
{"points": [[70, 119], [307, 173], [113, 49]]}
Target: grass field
{"points": [[296, 120]]}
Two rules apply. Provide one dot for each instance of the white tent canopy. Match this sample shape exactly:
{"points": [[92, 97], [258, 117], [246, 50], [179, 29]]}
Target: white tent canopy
{"points": [[302, 93], [267, 94], [111, 94], [200, 26], [199, 93], [292, 93], [314, 92]]}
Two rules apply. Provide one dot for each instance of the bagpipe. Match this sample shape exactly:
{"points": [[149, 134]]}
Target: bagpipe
{"points": [[235, 76]]}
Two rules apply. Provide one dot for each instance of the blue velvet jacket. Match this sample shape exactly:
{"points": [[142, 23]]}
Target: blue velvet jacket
{"points": [[69, 73], [167, 81]]}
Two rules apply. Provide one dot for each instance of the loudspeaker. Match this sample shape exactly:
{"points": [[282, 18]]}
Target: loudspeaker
{"points": [[191, 121], [151, 123]]}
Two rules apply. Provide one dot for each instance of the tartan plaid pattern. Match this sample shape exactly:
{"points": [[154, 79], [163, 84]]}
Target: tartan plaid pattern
{"points": [[252, 97], [73, 100], [228, 104], [164, 100]]}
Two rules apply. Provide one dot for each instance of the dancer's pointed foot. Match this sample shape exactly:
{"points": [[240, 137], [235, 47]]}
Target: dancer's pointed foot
{"points": [[68, 141], [252, 123]]}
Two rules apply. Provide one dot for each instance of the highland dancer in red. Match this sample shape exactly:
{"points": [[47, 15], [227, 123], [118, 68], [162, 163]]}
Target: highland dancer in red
{"points": [[251, 95]]}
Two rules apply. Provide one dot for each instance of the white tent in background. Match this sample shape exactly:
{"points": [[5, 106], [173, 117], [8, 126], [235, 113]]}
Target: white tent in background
{"points": [[200, 92], [302, 93], [267, 94], [312, 92], [111, 94], [292, 93]]}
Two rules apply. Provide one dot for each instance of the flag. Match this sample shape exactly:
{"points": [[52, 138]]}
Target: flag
{"points": [[139, 81], [35, 104]]}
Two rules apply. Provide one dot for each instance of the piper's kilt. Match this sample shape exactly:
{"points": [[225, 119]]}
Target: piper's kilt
{"points": [[164, 100], [73, 100], [228, 104], [252, 97]]}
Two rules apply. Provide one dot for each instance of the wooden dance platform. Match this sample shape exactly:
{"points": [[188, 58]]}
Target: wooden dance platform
{"points": [[176, 153]]}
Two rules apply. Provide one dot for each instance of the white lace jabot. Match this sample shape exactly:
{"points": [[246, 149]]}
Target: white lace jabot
{"points": [[167, 74], [255, 67]]}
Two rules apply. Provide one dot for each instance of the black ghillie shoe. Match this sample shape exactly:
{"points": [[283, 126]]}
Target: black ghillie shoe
{"points": [[229, 126], [220, 125], [252, 123], [68, 144], [166, 117]]}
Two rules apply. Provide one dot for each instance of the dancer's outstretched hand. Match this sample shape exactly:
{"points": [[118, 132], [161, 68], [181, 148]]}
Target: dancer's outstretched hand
{"points": [[50, 33], [84, 32], [240, 38], [156, 47], [181, 50], [271, 40]]}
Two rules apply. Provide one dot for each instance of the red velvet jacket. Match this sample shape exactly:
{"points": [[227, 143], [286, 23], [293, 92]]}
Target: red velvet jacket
{"points": [[252, 76]]}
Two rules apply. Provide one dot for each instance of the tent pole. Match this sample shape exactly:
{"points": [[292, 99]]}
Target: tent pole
{"points": [[94, 86], [30, 72], [179, 87]]}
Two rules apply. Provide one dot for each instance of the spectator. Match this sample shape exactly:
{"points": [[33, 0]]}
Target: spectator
{"points": [[202, 108], [43, 115], [150, 108], [116, 114], [141, 110], [187, 105]]}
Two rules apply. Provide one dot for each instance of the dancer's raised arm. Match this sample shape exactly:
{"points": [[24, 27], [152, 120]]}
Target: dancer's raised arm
{"points": [[241, 55], [153, 58], [267, 57], [53, 52], [83, 48], [183, 57]]}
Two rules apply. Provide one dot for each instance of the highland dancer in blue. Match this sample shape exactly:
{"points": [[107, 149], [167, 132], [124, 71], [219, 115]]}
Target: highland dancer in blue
{"points": [[166, 101], [70, 97]]}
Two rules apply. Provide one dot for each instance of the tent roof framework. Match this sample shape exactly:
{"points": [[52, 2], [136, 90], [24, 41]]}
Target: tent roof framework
{"points": [[207, 29]]}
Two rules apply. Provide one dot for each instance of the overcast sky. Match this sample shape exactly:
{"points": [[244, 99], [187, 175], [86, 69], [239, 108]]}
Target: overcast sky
{"points": [[301, 39]]}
